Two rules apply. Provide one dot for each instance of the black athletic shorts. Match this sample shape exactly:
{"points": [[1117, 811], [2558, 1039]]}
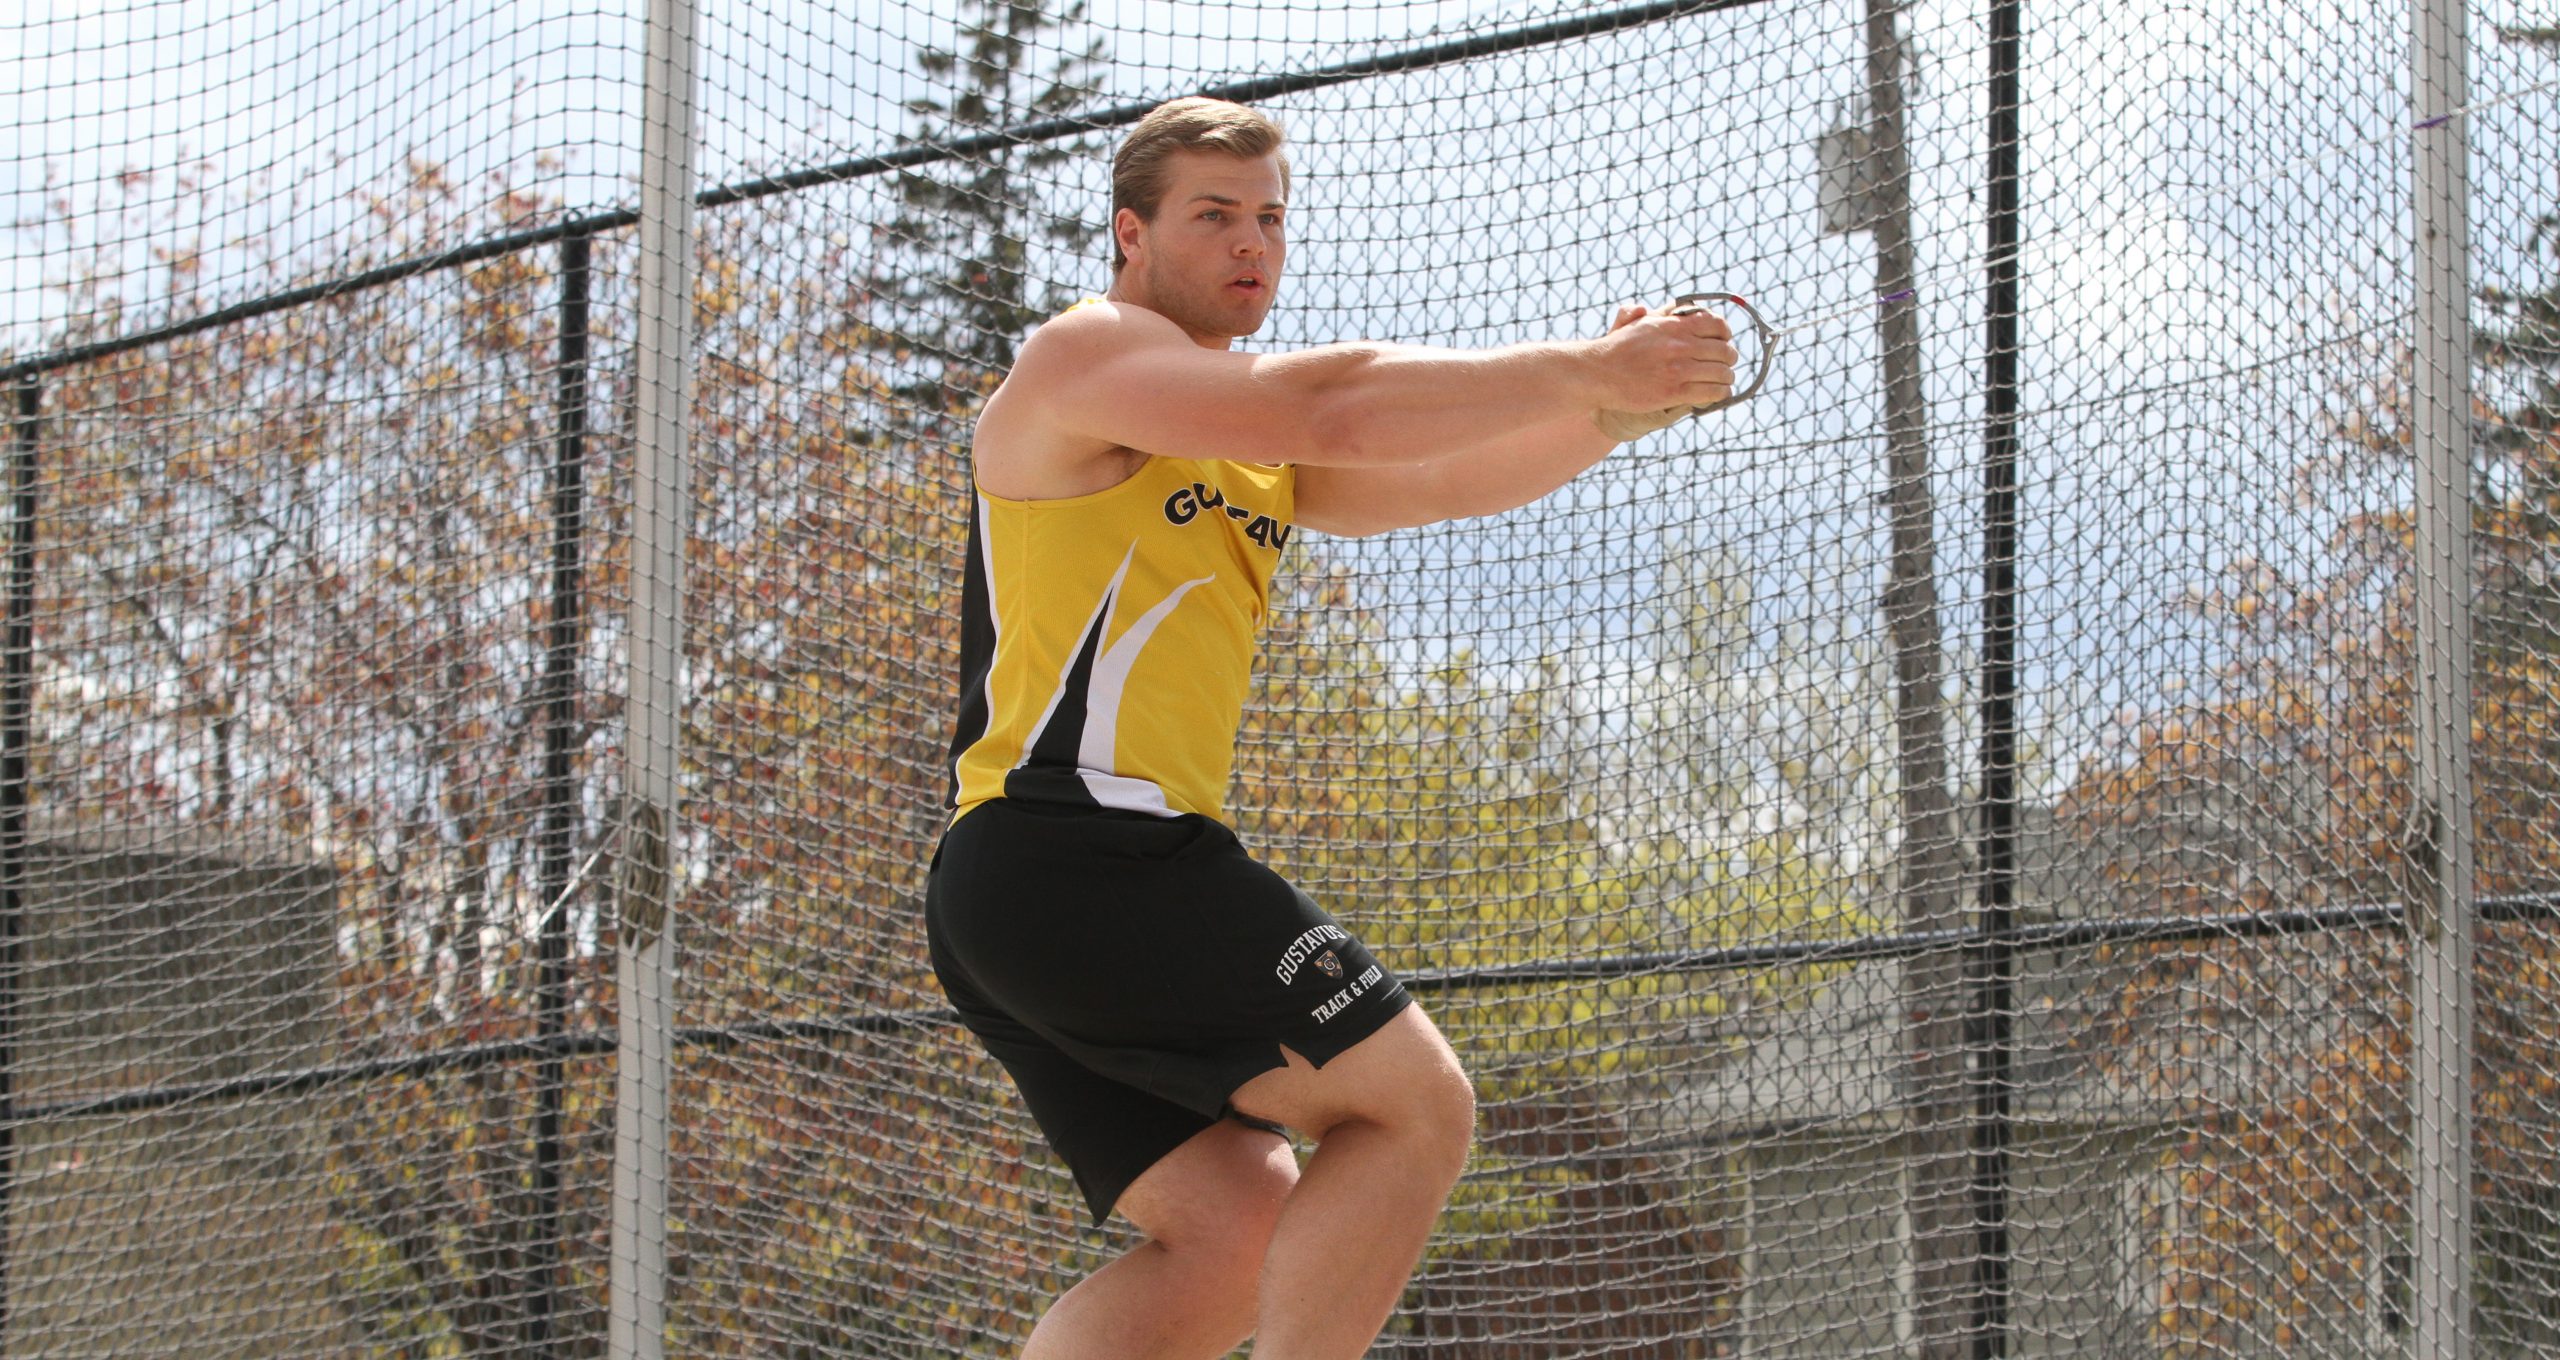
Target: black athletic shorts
{"points": [[1132, 971]]}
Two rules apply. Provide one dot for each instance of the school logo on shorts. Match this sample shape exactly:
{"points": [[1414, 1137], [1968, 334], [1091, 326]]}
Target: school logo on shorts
{"points": [[1302, 951]]}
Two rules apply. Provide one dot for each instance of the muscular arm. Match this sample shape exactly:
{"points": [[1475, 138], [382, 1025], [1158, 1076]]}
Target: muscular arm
{"points": [[1121, 377], [1503, 473]]}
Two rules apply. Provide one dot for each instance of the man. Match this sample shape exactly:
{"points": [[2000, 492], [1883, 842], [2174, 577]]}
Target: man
{"points": [[1164, 1003]]}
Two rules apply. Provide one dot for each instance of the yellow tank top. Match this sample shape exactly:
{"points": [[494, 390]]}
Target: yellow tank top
{"points": [[1106, 641]]}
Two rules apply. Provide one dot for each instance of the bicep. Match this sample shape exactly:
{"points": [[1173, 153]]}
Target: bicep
{"points": [[1134, 380], [1353, 502]]}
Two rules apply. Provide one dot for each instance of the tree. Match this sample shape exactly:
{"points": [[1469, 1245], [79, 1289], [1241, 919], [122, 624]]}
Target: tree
{"points": [[1454, 822], [296, 578], [961, 278], [289, 595]]}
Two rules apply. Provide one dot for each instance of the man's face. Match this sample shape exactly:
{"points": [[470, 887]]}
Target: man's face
{"points": [[1211, 260]]}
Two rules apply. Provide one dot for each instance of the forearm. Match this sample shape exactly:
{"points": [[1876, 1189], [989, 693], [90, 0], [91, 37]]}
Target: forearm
{"points": [[1505, 472], [1410, 404], [1511, 469]]}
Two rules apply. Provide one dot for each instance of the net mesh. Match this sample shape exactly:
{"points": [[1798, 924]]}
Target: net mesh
{"points": [[1665, 793]]}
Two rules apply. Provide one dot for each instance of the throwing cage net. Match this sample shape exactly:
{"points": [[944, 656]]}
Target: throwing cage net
{"points": [[1946, 858]]}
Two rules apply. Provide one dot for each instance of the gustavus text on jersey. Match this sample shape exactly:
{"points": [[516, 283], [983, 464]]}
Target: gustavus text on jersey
{"points": [[1190, 502]]}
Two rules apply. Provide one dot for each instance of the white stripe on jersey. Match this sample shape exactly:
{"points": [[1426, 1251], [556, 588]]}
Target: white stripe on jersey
{"points": [[1110, 681]]}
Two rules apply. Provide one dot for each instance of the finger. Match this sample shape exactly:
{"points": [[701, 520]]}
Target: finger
{"points": [[1713, 384], [1628, 312], [1709, 326]]}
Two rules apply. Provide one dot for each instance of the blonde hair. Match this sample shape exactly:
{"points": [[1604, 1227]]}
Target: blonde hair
{"points": [[1138, 168]]}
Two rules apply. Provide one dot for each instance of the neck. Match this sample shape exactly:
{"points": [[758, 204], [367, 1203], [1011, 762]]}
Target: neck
{"points": [[1127, 287]]}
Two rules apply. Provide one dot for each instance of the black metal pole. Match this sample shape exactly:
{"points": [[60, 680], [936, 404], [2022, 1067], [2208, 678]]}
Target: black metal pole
{"points": [[1996, 960], [559, 768], [17, 697]]}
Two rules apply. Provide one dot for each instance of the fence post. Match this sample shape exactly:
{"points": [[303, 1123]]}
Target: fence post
{"points": [[1993, 1040], [1929, 871], [17, 713], [2441, 909], [660, 511], [560, 810]]}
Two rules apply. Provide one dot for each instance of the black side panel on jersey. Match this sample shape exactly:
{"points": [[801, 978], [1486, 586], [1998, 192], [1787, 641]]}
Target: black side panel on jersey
{"points": [[1049, 770], [977, 651]]}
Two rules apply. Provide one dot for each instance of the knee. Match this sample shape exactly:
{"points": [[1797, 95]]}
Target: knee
{"points": [[1223, 1234], [1432, 1114], [1246, 1217], [1445, 1116], [1437, 1100]]}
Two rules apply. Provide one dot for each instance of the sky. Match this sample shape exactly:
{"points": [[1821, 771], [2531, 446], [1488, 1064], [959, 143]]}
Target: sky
{"points": [[2216, 225], [327, 97]]}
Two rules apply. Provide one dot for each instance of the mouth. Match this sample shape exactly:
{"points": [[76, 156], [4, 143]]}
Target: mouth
{"points": [[1251, 283]]}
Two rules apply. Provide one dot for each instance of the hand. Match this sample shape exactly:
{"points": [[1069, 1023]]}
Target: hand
{"points": [[1687, 357], [1623, 426], [1626, 426]]}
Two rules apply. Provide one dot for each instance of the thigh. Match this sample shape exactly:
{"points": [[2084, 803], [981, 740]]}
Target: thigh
{"points": [[1404, 1070], [1109, 1133], [1228, 1180]]}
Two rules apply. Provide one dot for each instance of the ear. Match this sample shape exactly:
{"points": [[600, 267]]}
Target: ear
{"points": [[1128, 230]]}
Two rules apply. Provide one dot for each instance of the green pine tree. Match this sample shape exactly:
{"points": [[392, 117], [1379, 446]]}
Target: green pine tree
{"points": [[964, 281]]}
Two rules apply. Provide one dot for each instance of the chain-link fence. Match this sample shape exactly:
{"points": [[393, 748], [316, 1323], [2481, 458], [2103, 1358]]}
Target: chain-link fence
{"points": [[1952, 857]]}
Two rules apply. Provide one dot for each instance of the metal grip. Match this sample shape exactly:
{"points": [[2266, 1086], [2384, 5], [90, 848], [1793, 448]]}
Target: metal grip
{"points": [[1698, 302]]}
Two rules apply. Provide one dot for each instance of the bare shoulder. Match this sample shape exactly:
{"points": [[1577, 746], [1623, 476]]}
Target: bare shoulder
{"points": [[1115, 383], [1075, 346], [1103, 318], [1033, 440]]}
